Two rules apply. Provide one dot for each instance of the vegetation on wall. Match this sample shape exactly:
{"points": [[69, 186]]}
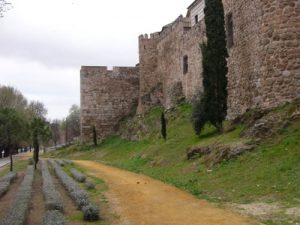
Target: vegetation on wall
{"points": [[211, 106]]}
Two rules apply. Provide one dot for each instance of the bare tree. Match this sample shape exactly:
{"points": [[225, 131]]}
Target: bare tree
{"points": [[55, 130], [4, 6]]}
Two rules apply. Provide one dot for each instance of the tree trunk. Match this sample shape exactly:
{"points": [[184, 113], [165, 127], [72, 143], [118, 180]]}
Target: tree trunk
{"points": [[9, 147], [11, 160], [36, 150]]}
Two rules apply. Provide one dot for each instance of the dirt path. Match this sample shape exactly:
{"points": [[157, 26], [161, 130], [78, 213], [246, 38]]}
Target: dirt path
{"points": [[140, 200], [36, 209]]}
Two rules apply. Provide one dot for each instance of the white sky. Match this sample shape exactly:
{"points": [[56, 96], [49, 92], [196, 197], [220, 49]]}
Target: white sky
{"points": [[43, 43]]}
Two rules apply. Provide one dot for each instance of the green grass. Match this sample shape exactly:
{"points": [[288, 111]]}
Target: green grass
{"points": [[271, 173], [19, 165]]}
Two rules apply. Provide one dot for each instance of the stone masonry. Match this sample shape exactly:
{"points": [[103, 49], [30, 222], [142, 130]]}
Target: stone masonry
{"points": [[106, 97], [264, 65], [264, 62]]}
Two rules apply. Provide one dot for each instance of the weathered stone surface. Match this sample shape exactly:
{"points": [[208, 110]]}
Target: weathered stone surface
{"points": [[263, 66], [106, 97], [161, 61]]}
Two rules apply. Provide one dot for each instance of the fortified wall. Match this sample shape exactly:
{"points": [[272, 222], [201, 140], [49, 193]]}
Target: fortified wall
{"points": [[106, 97], [163, 56], [263, 41], [264, 62]]}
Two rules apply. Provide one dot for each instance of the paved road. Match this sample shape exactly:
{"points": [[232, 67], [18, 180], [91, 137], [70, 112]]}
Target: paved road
{"points": [[4, 161]]}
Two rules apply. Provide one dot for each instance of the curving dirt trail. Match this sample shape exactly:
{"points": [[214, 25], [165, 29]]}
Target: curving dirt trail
{"points": [[140, 200]]}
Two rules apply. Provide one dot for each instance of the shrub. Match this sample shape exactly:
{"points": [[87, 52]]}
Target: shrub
{"points": [[67, 161], [4, 186], [60, 162], [80, 177], [79, 196], [10, 177], [19, 208], [53, 217], [90, 213], [89, 184], [52, 197]]}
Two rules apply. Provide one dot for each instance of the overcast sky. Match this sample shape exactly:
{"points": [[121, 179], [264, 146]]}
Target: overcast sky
{"points": [[43, 43]]}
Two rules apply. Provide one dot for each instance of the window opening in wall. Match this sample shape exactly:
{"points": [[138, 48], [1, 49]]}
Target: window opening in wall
{"points": [[185, 64], [144, 46], [229, 30], [196, 19]]}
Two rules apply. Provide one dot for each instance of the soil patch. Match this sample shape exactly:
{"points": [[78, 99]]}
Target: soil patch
{"points": [[8, 198], [37, 205]]}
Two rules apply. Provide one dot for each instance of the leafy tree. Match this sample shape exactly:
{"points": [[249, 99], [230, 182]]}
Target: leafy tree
{"points": [[74, 122], [163, 126], [40, 132], [12, 127], [212, 106], [39, 128], [12, 98]]}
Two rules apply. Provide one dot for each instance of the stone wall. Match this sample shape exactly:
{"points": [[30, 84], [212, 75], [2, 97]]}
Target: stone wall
{"points": [[264, 66], [161, 62], [264, 62], [107, 96]]}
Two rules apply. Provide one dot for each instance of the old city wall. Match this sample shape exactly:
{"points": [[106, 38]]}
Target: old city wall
{"points": [[106, 97], [264, 62], [163, 73], [264, 66]]}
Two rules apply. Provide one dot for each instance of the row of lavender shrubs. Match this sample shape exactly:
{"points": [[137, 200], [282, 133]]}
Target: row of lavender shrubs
{"points": [[80, 197], [19, 208], [6, 181], [53, 201], [80, 177]]}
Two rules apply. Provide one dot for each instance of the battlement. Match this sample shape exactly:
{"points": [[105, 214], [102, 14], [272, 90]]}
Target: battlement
{"points": [[103, 70], [184, 22]]}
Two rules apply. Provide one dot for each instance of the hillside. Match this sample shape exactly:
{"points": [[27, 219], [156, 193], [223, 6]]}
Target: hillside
{"points": [[254, 167]]}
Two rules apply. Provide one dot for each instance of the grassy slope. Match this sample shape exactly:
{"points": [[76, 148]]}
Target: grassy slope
{"points": [[271, 173]]}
